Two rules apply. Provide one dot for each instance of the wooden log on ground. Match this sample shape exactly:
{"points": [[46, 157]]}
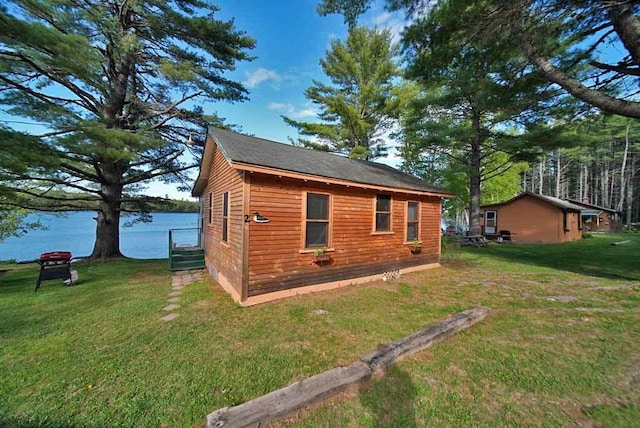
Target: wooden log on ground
{"points": [[621, 242], [284, 401], [389, 354]]}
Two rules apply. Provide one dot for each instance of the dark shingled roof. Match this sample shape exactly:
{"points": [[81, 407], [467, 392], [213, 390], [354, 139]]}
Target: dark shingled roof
{"points": [[588, 205], [549, 199], [265, 153]]}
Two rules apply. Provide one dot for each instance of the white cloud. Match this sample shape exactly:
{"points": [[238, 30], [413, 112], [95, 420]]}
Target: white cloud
{"points": [[261, 75], [394, 22], [381, 18], [279, 106], [290, 111]]}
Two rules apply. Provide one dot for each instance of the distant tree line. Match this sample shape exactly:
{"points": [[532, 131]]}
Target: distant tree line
{"points": [[602, 168], [174, 206]]}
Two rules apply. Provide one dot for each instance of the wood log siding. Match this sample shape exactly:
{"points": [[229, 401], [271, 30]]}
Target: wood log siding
{"points": [[226, 257], [277, 259]]}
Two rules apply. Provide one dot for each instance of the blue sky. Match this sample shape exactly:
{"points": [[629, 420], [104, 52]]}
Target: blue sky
{"points": [[291, 39]]}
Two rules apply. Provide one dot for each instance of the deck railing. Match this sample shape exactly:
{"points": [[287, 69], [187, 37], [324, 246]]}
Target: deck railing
{"points": [[185, 249]]}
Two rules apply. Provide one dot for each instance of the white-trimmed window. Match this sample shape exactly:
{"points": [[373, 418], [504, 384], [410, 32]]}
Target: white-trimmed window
{"points": [[413, 221], [225, 216]]}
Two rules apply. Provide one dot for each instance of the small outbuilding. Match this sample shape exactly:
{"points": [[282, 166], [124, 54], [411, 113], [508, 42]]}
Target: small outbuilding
{"points": [[530, 217], [280, 220], [598, 219]]}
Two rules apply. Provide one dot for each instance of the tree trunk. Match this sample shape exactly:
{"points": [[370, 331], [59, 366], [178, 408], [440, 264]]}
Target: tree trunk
{"points": [[558, 173], [580, 183], [604, 184], [107, 235], [632, 172], [541, 175], [108, 219], [474, 178], [585, 196], [623, 171]]}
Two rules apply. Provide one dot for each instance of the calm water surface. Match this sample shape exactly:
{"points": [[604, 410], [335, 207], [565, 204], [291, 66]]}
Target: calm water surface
{"points": [[76, 232]]}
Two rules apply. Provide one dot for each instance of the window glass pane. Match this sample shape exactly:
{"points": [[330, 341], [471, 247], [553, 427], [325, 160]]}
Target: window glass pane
{"points": [[412, 231], [225, 228], [382, 221], [412, 214], [316, 234], [225, 204], [317, 206], [210, 207], [383, 203]]}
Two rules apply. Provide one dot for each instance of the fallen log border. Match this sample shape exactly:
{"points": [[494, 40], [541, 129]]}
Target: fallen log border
{"points": [[621, 242], [284, 401]]}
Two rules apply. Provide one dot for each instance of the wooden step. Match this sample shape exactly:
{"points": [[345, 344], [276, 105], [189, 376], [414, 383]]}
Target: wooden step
{"points": [[186, 258]]}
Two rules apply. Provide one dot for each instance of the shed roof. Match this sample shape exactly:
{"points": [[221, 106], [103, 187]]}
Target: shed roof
{"points": [[564, 205], [245, 152]]}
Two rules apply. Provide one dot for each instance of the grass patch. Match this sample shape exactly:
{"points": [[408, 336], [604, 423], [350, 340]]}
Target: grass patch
{"points": [[560, 347]]}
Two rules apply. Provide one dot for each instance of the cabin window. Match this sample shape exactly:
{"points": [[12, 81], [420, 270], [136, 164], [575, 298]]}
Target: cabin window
{"points": [[210, 207], [567, 220], [413, 221], [225, 216], [317, 221], [383, 213]]}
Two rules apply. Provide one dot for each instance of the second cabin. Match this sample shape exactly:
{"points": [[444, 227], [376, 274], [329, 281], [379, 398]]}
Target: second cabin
{"points": [[532, 218], [279, 220]]}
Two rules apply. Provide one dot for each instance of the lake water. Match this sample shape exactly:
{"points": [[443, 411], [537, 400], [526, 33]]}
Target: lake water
{"points": [[76, 232]]}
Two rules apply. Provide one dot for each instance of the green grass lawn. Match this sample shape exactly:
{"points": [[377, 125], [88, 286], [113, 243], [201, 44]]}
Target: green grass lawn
{"points": [[561, 346]]}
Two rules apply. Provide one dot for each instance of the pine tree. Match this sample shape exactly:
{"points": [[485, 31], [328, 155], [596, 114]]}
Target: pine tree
{"points": [[358, 107], [481, 103], [116, 84]]}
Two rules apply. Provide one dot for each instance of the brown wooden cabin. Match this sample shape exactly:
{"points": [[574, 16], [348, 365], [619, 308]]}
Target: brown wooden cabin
{"points": [[598, 219], [533, 218], [269, 208]]}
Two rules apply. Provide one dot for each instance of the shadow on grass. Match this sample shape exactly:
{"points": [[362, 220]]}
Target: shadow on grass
{"points": [[391, 399], [594, 257]]}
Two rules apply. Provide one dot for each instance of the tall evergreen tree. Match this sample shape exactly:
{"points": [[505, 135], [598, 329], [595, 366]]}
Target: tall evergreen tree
{"points": [[479, 101], [561, 38], [358, 107], [116, 85]]}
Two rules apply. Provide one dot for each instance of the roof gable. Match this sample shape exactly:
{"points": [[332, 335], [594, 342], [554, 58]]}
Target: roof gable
{"points": [[244, 152]]}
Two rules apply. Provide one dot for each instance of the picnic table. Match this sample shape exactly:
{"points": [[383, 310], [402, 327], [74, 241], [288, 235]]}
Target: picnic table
{"points": [[475, 240]]}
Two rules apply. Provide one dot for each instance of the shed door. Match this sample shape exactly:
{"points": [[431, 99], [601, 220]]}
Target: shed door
{"points": [[490, 222]]}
